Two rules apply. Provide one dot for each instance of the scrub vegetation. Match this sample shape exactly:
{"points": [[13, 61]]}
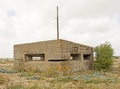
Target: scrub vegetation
{"points": [[104, 75]]}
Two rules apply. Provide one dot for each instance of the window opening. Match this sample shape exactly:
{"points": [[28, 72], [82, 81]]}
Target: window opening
{"points": [[86, 56]]}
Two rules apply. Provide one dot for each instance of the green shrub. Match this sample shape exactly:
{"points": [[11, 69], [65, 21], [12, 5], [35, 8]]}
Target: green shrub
{"points": [[104, 56]]}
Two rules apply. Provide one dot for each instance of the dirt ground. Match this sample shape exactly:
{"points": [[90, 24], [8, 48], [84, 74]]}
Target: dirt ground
{"points": [[83, 80]]}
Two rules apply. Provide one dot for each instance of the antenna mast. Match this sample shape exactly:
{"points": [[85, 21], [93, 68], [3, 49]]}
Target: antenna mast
{"points": [[57, 24]]}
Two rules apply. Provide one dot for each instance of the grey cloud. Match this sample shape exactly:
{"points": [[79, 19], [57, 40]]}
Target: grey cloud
{"points": [[93, 25], [90, 8], [89, 22]]}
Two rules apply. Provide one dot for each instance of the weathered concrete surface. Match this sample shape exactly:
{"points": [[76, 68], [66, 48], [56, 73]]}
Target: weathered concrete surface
{"points": [[54, 52]]}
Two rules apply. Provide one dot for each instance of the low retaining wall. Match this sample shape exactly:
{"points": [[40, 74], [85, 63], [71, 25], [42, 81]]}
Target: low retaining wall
{"points": [[59, 66]]}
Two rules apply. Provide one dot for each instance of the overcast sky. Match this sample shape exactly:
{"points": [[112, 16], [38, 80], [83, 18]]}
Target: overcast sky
{"points": [[90, 22]]}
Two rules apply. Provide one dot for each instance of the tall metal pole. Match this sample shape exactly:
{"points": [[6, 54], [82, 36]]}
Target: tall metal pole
{"points": [[57, 24]]}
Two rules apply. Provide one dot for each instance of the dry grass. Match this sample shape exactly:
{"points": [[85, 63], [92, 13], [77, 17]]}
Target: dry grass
{"points": [[4, 78], [50, 79]]}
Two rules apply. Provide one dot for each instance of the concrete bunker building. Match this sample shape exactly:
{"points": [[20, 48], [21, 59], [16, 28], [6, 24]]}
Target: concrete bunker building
{"points": [[58, 52]]}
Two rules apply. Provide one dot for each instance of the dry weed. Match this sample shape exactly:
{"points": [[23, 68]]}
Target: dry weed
{"points": [[4, 78]]}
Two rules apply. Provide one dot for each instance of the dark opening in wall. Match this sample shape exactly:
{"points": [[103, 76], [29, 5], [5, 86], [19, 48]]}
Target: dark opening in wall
{"points": [[75, 56], [86, 56], [35, 57], [55, 60]]}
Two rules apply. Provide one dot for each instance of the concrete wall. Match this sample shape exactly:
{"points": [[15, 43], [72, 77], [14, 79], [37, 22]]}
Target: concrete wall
{"points": [[60, 67], [67, 49], [54, 50], [51, 49]]}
